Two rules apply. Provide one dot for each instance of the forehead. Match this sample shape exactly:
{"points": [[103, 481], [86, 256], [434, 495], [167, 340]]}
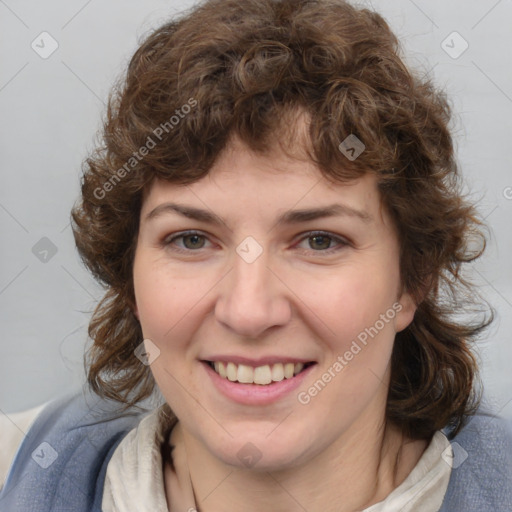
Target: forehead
{"points": [[241, 176], [244, 189]]}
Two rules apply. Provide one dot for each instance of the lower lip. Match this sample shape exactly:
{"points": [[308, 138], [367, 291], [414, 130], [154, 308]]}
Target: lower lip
{"points": [[256, 394]]}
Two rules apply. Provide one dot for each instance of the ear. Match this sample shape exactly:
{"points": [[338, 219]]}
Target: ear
{"points": [[407, 304], [405, 308]]}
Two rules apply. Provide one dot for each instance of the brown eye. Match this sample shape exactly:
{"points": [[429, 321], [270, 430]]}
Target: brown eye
{"points": [[320, 242], [185, 242], [193, 241]]}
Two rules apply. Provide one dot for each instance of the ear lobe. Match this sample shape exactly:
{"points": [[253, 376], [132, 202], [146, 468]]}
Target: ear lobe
{"points": [[405, 311], [409, 304]]}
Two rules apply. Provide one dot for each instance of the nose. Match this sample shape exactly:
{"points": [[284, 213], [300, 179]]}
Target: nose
{"points": [[252, 299]]}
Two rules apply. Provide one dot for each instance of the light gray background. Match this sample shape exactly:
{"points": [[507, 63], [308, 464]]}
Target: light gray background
{"points": [[51, 109]]}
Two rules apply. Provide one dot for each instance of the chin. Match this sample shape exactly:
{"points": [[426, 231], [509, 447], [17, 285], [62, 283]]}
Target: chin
{"points": [[258, 452]]}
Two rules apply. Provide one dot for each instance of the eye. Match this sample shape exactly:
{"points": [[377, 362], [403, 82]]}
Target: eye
{"points": [[193, 241], [320, 241], [190, 241]]}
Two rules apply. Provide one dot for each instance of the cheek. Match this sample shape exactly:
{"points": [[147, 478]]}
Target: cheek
{"points": [[350, 300], [160, 296], [168, 308], [170, 303], [355, 320], [157, 302]]}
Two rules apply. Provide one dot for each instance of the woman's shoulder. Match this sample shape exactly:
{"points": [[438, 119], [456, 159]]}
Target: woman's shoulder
{"points": [[484, 431], [481, 461], [73, 436], [13, 428]]}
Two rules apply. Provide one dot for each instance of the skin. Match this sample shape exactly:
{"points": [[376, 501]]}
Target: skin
{"points": [[336, 453]]}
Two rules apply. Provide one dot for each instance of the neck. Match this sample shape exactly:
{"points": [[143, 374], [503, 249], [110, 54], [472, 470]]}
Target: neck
{"points": [[360, 469]]}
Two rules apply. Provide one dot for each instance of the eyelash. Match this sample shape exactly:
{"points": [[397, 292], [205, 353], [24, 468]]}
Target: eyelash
{"points": [[311, 234]]}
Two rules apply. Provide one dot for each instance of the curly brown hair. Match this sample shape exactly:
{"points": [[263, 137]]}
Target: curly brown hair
{"points": [[245, 68]]}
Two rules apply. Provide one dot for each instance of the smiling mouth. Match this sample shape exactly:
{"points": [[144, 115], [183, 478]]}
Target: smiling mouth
{"points": [[262, 375]]}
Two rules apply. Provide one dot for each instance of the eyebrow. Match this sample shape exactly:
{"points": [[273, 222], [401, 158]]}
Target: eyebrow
{"points": [[288, 217]]}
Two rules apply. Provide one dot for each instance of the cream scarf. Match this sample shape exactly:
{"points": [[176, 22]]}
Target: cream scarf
{"points": [[135, 479]]}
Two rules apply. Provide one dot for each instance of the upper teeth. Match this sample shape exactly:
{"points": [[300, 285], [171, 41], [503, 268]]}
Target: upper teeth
{"points": [[259, 375]]}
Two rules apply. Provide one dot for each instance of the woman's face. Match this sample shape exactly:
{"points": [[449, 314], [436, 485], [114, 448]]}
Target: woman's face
{"points": [[263, 266]]}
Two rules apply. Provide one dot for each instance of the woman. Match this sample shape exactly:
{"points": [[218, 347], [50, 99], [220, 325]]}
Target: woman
{"points": [[277, 218]]}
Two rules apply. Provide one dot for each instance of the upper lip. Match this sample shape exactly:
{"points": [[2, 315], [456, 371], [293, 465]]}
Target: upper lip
{"points": [[260, 361]]}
